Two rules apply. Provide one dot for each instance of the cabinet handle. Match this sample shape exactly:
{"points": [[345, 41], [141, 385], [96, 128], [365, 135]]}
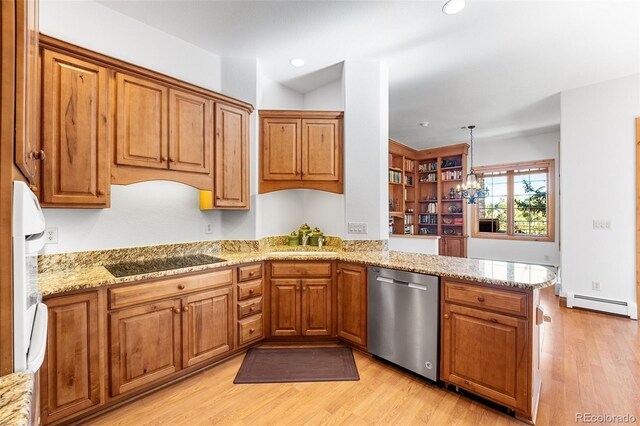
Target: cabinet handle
{"points": [[304, 288], [251, 291], [38, 155], [33, 188], [252, 308], [480, 298], [185, 309], [176, 310], [164, 159], [446, 316], [173, 160], [466, 382], [100, 192], [494, 320], [181, 287], [252, 273], [251, 330], [339, 271]]}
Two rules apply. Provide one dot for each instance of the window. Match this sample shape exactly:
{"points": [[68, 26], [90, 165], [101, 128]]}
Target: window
{"points": [[520, 204]]}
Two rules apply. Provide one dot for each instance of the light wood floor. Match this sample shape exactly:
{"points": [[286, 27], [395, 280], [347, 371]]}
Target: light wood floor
{"points": [[591, 363]]}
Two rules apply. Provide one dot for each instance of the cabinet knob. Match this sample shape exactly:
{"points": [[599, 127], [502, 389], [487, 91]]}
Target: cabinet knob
{"points": [[181, 286], [172, 160], [304, 288], [176, 310], [494, 320], [164, 158], [466, 382], [251, 330], [251, 291], [100, 192], [252, 273], [480, 298], [38, 155], [33, 188], [339, 271], [185, 309], [446, 316], [252, 308]]}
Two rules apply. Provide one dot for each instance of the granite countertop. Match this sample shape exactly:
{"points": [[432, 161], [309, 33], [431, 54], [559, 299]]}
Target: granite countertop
{"points": [[485, 271], [16, 391]]}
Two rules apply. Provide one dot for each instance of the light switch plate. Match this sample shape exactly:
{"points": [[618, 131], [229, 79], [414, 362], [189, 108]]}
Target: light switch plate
{"points": [[357, 228]]}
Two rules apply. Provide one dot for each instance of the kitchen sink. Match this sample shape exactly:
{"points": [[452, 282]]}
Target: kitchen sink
{"points": [[303, 253]]}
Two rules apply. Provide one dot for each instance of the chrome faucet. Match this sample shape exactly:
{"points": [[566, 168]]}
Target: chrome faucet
{"points": [[320, 242], [305, 238]]}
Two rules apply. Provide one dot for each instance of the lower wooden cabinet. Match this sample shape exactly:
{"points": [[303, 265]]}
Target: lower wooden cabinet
{"points": [[316, 307], [453, 246], [487, 345], [285, 307], [207, 328], [145, 344], [71, 377], [352, 303]]}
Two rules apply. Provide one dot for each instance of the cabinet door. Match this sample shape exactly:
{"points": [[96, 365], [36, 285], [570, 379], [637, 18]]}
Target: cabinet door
{"points": [[352, 303], [27, 90], [321, 150], [207, 329], [231, 184], [75, 124], [285, 307], [70, 375], [316, 307], [141, 127], [190, 129], [486, 353], [145, 344], [452, 246], [281, 145]]}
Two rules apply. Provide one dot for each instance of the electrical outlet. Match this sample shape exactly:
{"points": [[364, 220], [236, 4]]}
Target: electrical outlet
{"points": [[51, 236], [357, 228], [208, 228], [595, 285], [602, 224]]}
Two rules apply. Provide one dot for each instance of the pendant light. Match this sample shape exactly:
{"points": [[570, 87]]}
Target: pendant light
{"points": [[472, 188]]}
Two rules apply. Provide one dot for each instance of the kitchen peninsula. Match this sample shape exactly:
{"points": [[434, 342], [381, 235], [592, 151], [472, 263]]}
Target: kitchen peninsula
{"points": [[489, 316]]}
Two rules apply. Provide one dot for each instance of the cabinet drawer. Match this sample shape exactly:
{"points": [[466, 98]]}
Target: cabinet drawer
{"points": [[509, 302], [155, 290], [250, 272], [289, 269], [250, 289], [249, 307], [249, 329]]}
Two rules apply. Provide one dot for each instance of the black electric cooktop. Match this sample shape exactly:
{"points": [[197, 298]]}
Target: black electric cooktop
{"points": [[125, 269]]}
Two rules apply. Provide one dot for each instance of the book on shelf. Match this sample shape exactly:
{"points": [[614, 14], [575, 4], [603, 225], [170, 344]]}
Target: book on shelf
{"points": [[408, 219], [427, 167], [431, 177], [408, 180], [428, 219], [409, 165], [395, 176], [452, 175]]}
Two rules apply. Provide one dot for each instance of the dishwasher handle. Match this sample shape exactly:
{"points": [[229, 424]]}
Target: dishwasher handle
{"points": [[400, 282]]}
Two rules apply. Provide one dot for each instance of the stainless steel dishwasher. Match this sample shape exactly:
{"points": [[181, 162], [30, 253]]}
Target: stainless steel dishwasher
{"points": [[403, 319]]}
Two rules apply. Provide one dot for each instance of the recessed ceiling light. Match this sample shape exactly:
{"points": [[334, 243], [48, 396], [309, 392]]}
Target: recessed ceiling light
{"points": [[451, 7], [424, 124], [297, 62]]}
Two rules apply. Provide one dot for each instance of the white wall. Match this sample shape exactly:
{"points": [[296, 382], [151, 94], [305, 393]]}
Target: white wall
{"points": [[150, 212], [96, 27], [141, 214], [366, 133], [598, 176], [489, 152], [414, 245], [328, 97]]}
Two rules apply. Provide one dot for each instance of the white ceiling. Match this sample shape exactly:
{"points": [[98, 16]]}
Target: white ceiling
{"points": [[497, 64]]}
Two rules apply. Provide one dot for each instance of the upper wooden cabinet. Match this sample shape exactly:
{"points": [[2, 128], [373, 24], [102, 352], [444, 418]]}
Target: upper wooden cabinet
{"points": [[231, 183], [141, 123], [75, 121], [301, 149], [190, 130], [27, 152]]}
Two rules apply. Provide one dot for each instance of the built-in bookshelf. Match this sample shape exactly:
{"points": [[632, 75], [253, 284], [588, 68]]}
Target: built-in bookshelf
{"points": [[423, 200]]}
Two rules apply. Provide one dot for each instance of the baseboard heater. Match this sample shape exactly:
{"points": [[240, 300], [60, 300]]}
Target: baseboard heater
{"points": [[604, 305]]}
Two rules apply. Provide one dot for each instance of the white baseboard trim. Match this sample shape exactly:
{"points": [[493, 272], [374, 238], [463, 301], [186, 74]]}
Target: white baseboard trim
{"points": [[617, 307]]}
